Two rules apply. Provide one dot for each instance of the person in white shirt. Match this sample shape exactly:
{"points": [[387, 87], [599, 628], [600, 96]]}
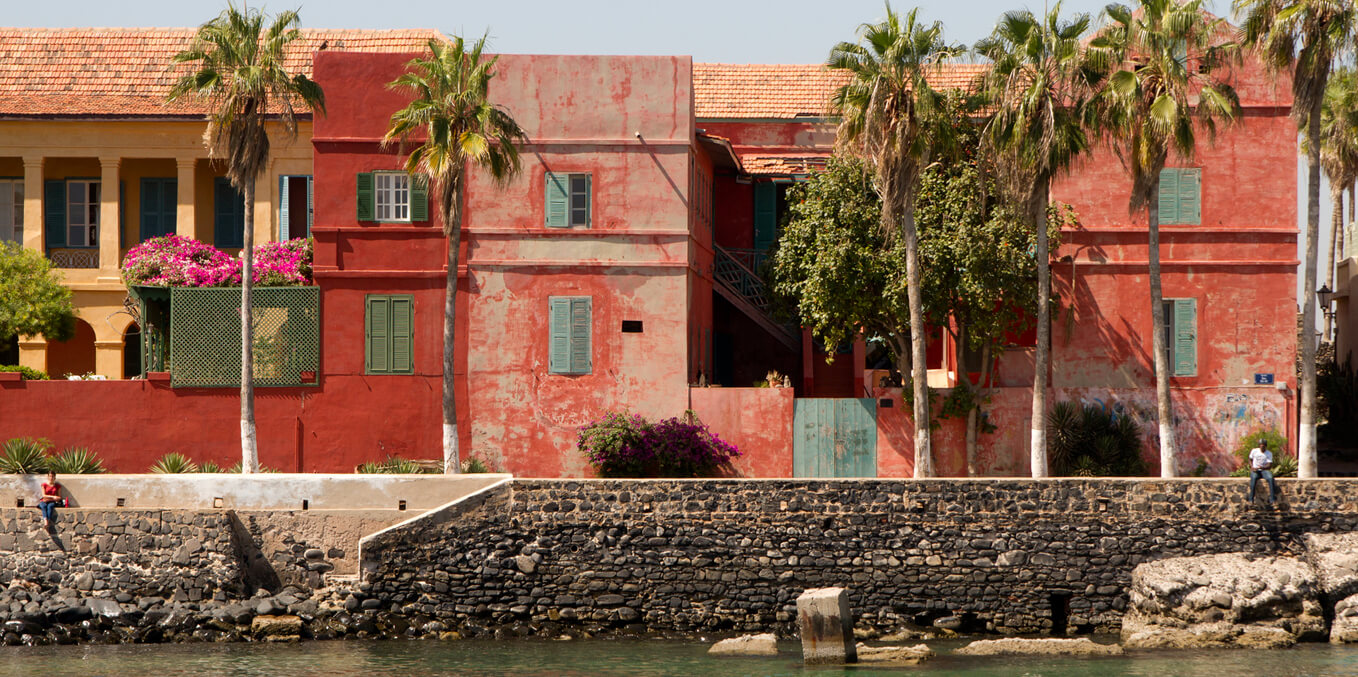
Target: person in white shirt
{"points": [[1261, 465]]}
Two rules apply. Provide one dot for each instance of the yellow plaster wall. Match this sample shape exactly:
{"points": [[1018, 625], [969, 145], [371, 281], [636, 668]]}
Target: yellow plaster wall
{"points": [[72, 148]]}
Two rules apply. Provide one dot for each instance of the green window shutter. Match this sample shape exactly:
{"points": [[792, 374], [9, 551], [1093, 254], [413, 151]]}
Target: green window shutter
{"points": [[54, 211], [419, 197], [150, 209], [365, 196], [765, 214], [169, 206], [310, 204], [228, 223], [401, 316], [559, 348], [580, 335], [558, 200], [1185, 337], [283, 216], [377, 335], [1190, 196], [1169, 196]]}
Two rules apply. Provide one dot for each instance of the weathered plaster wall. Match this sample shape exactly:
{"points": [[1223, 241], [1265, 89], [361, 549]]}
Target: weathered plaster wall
{"points": [[636, 259], [600, 555], [757, 420]]}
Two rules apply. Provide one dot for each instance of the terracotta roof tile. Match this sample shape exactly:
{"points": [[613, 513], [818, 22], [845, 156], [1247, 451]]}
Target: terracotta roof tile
{"points": [[787, 91], [783, 165], [125, 71]]}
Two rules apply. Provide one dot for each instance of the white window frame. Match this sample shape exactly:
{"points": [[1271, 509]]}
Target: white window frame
{"points": [[82, 213], [12, 210], [391, 197]]}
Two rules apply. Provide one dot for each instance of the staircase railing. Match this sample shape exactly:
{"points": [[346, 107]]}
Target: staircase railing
{"points": [[736, 269]]}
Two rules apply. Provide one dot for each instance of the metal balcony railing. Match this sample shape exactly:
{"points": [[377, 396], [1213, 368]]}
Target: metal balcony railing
{"points": [[74, 258]]}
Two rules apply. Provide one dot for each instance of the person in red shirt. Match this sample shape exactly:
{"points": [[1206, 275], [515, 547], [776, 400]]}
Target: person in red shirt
{"points": [[51, 498]]}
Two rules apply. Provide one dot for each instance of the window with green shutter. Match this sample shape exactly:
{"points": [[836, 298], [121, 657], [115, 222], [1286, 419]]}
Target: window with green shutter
{"points": [[568, 200], [765, 215], [1180, 200], [570, 320], [1181, 335], [228, 222], [387, 334]]}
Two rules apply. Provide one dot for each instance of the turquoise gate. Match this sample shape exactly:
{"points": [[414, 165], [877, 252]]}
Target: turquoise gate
{"points": [[834, 437]]}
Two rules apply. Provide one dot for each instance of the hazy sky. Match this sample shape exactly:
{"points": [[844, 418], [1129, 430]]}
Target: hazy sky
{"points": [[739, 31], [736, 31]]}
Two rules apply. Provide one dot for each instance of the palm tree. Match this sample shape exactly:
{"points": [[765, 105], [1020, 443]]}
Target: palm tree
{"points": [[1159, 95], [452, 111], [1304, 37], [1038, 87], [891, 116], [1339, 159], [238, 69]]}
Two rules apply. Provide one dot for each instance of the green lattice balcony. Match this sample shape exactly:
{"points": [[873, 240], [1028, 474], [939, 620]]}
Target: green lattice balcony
{"points": [[195, 335]]}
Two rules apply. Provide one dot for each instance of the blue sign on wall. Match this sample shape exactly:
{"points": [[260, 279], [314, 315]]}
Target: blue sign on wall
{"points": [[1263, 379]]}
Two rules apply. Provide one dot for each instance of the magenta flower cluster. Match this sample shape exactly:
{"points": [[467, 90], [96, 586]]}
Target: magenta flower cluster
{"points": [[175, 261], [623, 445]]}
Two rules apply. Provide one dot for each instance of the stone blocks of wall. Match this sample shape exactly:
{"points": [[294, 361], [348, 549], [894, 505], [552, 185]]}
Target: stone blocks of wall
{"points": [[1010, 556]]}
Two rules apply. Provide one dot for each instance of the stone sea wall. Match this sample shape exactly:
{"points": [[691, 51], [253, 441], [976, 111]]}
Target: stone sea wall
{"points": [[591, 557], [1006, 556]]}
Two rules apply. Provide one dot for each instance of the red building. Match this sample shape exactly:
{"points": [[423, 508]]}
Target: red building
{"points": [[620, 270]]}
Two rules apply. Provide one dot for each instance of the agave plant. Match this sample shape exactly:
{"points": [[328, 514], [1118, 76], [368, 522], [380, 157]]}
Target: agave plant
{"points": [[174, 463], [474, 465], [76, 461], [210, 467], [25, 455]]}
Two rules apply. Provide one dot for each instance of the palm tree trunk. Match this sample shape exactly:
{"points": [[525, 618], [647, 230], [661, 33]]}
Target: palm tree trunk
{"points": [[1042, 354], [249, 444], [451, 199], [974, 415], [1306, 443], [919, 375], [1164, 412], [1336, 230]]}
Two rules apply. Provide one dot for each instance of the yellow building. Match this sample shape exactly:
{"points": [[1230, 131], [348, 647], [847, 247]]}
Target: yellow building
{"points": [[94, 161]]}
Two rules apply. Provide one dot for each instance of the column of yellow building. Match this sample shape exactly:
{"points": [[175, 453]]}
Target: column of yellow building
{"points": [[185, 225], [33, 349], [108, 346]]}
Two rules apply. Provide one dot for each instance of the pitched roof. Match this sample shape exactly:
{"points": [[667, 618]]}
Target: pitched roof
{"points": [[125, 72], [787, 91], [783, 165]]}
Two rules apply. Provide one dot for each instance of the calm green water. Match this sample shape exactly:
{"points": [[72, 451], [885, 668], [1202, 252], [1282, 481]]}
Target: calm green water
{"points": [[606, 658]]}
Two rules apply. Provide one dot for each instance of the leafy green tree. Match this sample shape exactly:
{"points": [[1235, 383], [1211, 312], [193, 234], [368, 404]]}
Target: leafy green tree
{"points": [[451, 109], [1303, 38], [844, 277], [33, 300], [1038, 88], [238, 68], [888, 115], [1160, 94]]}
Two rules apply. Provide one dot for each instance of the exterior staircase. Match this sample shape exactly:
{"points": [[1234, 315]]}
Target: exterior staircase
{"points": [[736, 280]]}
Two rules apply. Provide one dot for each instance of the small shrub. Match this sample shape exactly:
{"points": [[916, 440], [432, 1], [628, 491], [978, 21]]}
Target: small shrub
{"points": [[1092, 442], [1284, 464], [76, 461], [474, 465], [25, 455], [395, 465], [29, 373], [622, 445], [210, 467], [236, 468], [174, 463]]}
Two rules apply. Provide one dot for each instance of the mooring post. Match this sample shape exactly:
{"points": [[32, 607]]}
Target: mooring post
{"points": [[826, 626]]}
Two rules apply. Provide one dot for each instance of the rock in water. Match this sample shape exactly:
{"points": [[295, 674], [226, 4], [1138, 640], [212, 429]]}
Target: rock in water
{"points": [[1336, 561], [893, 655], [826, 626], [1224, 600], [1014, 646], [765, 644], [276, 626]]}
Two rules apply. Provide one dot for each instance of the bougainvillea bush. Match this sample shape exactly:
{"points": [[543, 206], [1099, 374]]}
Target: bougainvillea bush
{"points": [[175, 261], [627, 445]]}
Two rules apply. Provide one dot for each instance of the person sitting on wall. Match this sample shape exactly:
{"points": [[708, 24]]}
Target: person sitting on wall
{"points": [[51, 498], [1261, 465]]}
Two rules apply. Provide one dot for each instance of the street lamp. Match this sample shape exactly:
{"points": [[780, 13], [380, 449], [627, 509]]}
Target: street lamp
{"points": [[1324, 294]]}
